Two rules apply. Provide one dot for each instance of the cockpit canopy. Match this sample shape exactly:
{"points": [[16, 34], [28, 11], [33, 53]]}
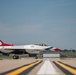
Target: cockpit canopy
{"points": [[41, 44]]}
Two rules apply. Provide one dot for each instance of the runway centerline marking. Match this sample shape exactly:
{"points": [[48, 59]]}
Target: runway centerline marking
{"points": [[73, 71], [18, 71], [47, 68]]}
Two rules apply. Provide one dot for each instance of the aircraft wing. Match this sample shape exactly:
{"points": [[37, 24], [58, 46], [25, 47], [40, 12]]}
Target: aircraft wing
{"points": [[48, 48]]}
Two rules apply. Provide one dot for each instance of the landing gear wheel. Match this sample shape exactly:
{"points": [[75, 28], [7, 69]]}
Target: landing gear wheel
{"points": [[15, 57]]}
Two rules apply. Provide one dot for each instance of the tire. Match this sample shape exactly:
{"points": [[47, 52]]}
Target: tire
{"points": [[15, 57]]}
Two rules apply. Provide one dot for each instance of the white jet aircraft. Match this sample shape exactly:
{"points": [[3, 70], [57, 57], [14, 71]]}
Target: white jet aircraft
{"points": [[30, 49]]}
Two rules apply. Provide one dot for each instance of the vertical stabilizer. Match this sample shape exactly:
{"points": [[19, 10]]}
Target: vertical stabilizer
{"points": [[5, 44]]}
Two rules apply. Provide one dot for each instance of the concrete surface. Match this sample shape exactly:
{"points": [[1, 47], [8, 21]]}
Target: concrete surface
{"points": [[6, 65]]}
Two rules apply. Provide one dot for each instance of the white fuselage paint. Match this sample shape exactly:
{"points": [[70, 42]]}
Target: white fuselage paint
{"points": [[31, 49], [47, 69]]}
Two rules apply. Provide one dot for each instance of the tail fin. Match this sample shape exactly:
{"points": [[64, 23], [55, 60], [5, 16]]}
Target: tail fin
{"points": [[4, 44], [1, 42]]}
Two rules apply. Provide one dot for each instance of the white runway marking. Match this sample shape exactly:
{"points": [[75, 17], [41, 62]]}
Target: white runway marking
{"points": [[47, 68]]}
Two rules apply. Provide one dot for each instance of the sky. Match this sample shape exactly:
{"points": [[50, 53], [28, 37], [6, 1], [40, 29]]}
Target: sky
{"points": [[52, 22]]}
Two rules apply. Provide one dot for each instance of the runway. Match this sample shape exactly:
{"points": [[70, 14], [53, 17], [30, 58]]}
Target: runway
{"points": [[32, 66]]}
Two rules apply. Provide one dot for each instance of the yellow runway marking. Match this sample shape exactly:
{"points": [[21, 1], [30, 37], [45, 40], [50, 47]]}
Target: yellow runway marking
{"points": [[73, 71], [18, 71]]}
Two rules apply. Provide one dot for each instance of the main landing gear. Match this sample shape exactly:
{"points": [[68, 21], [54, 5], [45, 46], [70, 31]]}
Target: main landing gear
{"points": [[15, 57]]}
